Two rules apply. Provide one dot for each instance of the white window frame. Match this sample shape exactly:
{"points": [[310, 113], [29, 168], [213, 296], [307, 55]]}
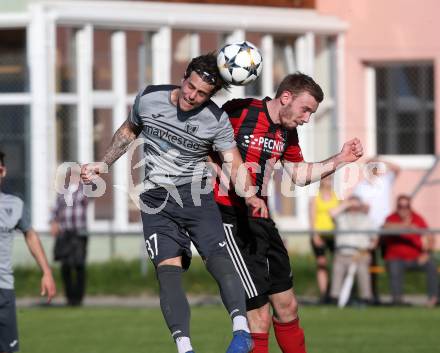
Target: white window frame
{"points": [[408, 162]]}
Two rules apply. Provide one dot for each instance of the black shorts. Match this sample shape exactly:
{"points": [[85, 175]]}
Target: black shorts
{"points": [[8, 321], [169, 232], [258, 254], [329, 245]]}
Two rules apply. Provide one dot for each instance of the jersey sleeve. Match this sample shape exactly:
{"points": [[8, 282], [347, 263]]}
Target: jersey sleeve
{"points": [[133, 116], [293, 151], [24, 223], [224, 139]]}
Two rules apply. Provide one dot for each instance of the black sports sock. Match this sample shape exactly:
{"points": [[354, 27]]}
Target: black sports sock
{"points": [[173, 302], [231, 287]]}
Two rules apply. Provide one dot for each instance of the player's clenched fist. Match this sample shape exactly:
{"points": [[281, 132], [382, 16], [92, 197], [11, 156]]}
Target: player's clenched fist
{"points": [[91, 171], [351, 151]]}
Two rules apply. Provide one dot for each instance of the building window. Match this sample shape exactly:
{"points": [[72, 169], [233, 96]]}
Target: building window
{"points": [[405, 109], [139, 60], [15, 142], [66, 133], [66, 74], [13, 65]]}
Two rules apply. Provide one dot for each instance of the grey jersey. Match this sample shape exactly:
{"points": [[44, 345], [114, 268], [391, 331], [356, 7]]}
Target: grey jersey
{"points": [[12, 216], [176, 143]]}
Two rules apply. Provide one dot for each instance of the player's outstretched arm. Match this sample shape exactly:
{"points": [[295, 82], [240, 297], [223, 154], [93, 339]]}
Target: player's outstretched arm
{"points": [[48, 287], [242, 181], [306, 173], [121, 140]]}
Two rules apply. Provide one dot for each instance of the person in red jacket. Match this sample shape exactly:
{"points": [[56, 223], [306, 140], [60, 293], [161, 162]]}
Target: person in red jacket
{"points": [[409, 251]]}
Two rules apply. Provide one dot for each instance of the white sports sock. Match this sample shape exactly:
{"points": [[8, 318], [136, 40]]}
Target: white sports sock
{"points": [[183, 344], [239, 322]]}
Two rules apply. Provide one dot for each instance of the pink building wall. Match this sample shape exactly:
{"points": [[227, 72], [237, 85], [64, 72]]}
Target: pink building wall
{"points": [[391, 30]]}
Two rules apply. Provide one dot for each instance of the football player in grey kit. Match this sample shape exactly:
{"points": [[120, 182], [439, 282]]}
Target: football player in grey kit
{"points": [[180, 125], [14, 216]]}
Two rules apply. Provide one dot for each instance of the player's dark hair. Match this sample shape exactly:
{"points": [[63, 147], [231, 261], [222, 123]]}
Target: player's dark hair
{"points": [[206, 67], [2, 158], [298, 83]]}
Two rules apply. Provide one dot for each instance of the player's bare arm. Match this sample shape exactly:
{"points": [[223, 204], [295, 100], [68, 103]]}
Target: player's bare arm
{"points": [[243, 184], [305, 173], [48, 287], [121, 140]]}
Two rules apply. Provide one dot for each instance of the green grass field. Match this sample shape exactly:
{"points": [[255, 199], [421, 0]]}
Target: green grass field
{"points": [[122, 330]]}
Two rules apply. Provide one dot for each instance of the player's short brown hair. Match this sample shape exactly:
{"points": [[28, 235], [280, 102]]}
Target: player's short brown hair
{"points": [[206, 67], [298, 83], [2, 158]]}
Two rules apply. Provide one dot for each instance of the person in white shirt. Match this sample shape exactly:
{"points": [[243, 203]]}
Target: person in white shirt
{"points": [[376, 190]]}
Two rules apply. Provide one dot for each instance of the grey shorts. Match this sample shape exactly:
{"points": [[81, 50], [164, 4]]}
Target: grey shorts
{"points": [[8, 321], [170, 232]]}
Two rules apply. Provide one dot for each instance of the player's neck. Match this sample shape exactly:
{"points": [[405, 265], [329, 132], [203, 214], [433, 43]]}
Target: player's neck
{"points": [[273, 110], [174, 96]]}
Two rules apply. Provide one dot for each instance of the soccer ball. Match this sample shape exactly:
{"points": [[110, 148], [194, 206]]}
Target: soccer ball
{"points": [[240, 63]]}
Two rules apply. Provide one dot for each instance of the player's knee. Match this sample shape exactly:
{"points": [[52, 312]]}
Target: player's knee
{"points": [[165, 273], [260, 320], [286, 310], [220, 264]]}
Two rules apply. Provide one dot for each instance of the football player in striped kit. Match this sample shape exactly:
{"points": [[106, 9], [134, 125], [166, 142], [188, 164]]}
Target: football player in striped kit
{"points": [[265, 132]]}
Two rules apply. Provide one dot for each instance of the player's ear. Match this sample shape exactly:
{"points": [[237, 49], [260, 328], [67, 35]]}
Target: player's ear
{"points": [[2, 171], [286, 97]]}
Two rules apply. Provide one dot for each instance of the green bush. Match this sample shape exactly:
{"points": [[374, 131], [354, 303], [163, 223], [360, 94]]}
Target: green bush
{"points": [[124, 278]]}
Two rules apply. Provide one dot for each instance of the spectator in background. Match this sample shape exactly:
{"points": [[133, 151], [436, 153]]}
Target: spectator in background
{"points": [[13, 216], [69, 227], [352, 215], [376, 191], [410, 251], [321, 220]]}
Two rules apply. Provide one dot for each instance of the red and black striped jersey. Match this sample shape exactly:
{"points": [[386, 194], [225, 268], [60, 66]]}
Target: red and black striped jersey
{"points": [[261, 143]]}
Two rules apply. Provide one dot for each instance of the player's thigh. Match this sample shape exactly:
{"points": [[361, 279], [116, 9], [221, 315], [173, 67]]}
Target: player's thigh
{"points": [[8, 322], [252, 240], [165, 239], [205, 227], [251, 269], [280, 272]]}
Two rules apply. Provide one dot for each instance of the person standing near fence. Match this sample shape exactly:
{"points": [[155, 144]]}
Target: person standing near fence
{"points": [[13, 216], [376, 191], [69, 227], [320, 219]]}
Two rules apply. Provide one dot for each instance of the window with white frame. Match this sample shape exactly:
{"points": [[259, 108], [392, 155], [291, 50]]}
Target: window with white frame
{"points": [[405, 108], [14, 111]]}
